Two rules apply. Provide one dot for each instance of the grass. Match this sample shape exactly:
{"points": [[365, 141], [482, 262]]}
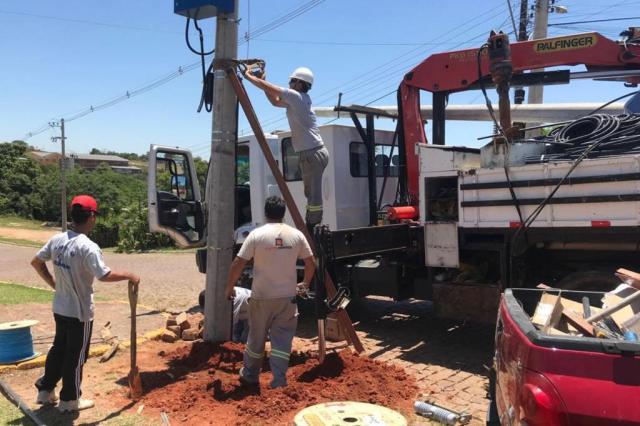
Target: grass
{"points": [[21, 242], [19, 222], [15, 294], [11, 415]]}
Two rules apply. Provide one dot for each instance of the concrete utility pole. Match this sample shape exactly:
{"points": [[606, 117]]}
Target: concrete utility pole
{"points": [[220, 195], [539, 31], [518, 91], [63, 176]]}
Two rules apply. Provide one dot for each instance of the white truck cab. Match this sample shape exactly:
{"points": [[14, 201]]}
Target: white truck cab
{"points": [[177, 209]]}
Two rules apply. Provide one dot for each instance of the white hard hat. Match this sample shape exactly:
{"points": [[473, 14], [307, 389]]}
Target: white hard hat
{"points": [[304, 74]]}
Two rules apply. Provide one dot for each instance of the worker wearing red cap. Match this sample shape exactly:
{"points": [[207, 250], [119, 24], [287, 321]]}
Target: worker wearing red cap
{"points": [[305, 136], [76, 262]]}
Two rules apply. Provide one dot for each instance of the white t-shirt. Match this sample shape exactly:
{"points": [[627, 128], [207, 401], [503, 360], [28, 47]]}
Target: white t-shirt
{"points": [[304, 130], [76, 261], [240, 305], [275, 249]]}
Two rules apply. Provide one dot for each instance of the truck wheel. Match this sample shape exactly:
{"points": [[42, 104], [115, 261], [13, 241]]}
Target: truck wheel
{"points": [[201, 300], [589, 281], [492, 418]]}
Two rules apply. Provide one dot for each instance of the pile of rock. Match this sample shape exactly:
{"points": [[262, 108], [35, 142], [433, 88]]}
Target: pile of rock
{"points": [[183, 326]]}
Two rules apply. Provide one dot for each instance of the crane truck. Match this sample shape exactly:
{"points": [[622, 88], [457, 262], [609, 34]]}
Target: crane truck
{"points": [[444, 222]]}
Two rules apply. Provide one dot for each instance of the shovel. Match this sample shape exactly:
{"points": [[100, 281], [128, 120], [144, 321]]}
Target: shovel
{"points": [[135, 384]]}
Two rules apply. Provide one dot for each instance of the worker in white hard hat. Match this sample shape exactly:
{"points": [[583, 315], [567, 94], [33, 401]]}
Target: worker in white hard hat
{"points": [[305, 136]]}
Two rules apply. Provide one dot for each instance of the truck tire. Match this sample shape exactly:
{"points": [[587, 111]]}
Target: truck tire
{"points": [[201, 300], [589, 281], [492, 418]]}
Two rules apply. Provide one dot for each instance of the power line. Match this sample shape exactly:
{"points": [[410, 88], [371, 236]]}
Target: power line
{"points": [[181, 70], [402, 70], [558, 24], [81, 21], [513, 21], [390, 68], [351, 43]]}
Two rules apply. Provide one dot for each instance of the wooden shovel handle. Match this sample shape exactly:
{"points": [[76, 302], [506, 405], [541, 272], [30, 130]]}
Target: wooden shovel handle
{"points": [[133, 301]]}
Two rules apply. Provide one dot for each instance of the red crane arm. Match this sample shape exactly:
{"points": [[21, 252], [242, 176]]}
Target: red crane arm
{"points": [[457, 70]]}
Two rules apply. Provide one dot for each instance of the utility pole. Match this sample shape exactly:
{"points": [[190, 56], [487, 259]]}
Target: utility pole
{"points": [[539, 31], [518, 91], [220, 195], [63, 176]]}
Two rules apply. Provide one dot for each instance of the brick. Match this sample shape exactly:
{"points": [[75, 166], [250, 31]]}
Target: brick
{"points": [[440, 375], [171, 320], [168, 336], [183, 321], [176, 330], [190, 334]]}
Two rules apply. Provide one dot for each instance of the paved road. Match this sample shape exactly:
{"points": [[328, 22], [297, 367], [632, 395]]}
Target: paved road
{"points": [[168, 280]]}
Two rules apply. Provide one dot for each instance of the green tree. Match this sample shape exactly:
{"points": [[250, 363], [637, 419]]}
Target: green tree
{"points": [[18, 174], [202, 167], [242, 174]]}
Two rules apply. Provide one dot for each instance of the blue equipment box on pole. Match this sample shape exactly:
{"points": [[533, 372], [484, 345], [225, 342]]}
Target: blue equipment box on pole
{"points": [[202, 9]]}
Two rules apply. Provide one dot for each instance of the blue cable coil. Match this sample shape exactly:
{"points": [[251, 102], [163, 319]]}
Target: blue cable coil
{"points": [[16, 343]]}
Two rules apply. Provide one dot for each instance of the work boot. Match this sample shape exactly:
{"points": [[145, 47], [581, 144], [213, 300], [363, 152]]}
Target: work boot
{"points": [[46, 397], [278, 383], [75, 405], [245, 380], [310, 229]]}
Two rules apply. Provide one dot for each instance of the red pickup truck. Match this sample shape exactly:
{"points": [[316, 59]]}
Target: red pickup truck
{"points": [[542, 379]]}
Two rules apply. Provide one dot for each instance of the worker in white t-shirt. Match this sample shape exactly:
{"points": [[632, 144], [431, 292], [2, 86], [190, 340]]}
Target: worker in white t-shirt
{"points": [[275, 248], [305, 136], [76, 261]]}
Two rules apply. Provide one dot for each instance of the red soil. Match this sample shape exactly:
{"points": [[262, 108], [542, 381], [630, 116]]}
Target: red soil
{"points": [[198, 384]]}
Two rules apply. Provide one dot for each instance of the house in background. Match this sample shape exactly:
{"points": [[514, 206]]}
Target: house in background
{"points": [[86, 161], [46, 158]]}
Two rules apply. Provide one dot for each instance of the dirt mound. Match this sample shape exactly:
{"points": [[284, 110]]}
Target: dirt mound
{"points": [[198, 384]]}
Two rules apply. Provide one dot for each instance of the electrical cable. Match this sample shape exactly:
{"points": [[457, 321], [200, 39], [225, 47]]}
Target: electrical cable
{"points": [[206, 97], [612, 101], [386, 170], [621, 134], [201, 52], [557, 24], [501, 132], [81, 21], [392, 67], [513, 21], [175, 74], [616, 135]]}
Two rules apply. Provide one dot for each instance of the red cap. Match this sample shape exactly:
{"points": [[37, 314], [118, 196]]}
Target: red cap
{"points": [[87, 202]]}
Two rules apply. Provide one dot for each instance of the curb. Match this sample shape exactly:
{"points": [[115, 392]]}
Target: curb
{"points": [[97, 350]]}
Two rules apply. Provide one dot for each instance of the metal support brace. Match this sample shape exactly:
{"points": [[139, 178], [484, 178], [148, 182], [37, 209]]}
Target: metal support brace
{"points": [[245, 102]]}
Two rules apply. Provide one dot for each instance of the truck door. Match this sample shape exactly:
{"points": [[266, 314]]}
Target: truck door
{"points": [[175, 205]]}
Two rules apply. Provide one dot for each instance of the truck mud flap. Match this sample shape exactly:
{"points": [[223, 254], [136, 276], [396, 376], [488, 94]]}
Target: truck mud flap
{"points": [[466, 302]]}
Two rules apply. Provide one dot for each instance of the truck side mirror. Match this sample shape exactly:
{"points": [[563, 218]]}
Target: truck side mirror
{"points": [[175, 204]]}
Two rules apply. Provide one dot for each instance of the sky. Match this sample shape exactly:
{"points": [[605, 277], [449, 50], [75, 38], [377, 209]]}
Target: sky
{"points": [[61, 58]]}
